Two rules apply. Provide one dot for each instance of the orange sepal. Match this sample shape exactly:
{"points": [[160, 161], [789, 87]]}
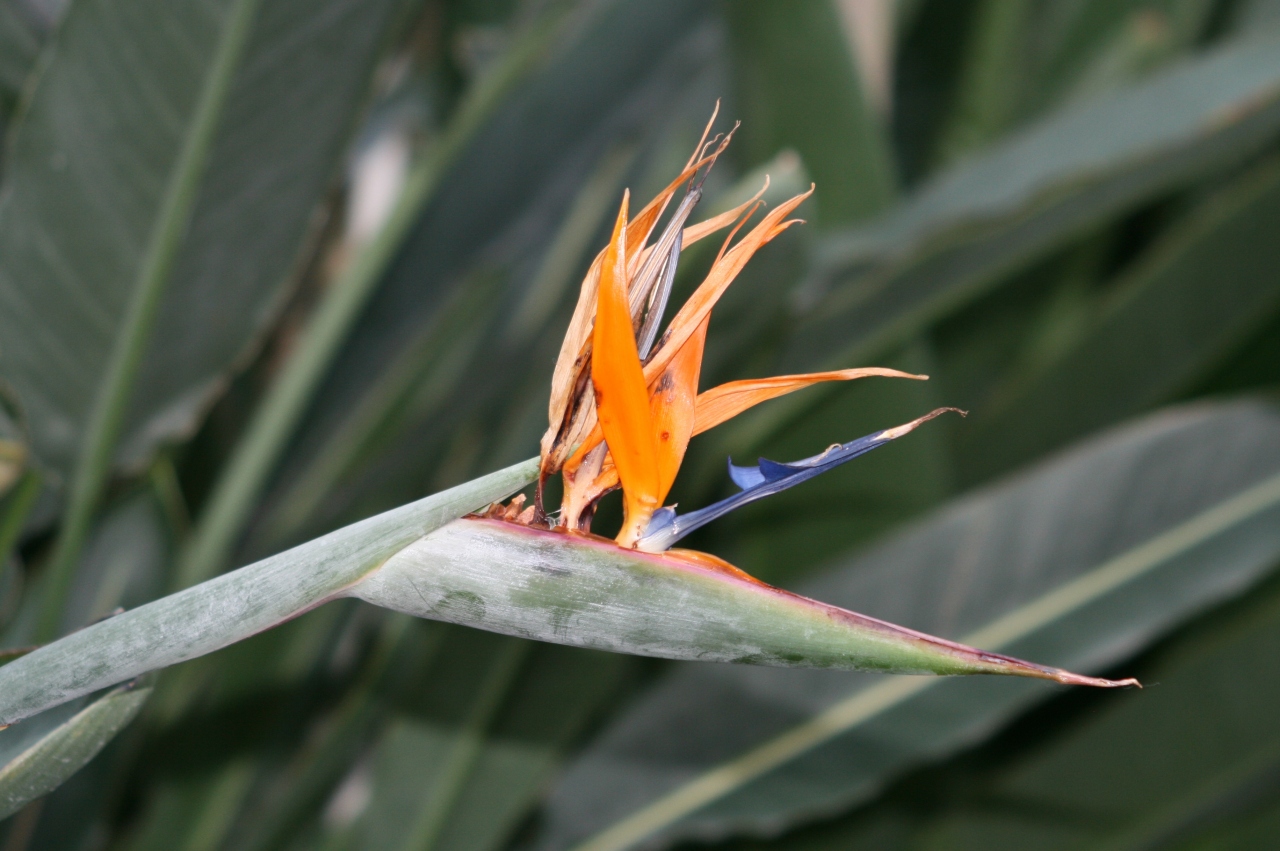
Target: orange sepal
{"points": [[699, 305], [673, 402], [723, 403], [622, 397], [575, 349], [587, 477], [701, 559]]}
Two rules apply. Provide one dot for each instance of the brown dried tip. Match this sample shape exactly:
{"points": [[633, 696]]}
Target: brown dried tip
{"points": [[1070, 679], [515, 511], [514, 507]]}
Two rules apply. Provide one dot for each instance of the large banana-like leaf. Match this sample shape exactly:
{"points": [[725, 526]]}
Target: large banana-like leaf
{"points": [[1212, 277], [22, 31], [951, 240], [127, 171], [1080, 562], [39, 755], [1080, 49], [1104, 775], [798, 87], [624, 68], [473, 762]]}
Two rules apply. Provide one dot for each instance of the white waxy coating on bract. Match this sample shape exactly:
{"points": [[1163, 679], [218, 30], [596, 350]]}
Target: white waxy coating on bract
{"points": [[589, 592]]}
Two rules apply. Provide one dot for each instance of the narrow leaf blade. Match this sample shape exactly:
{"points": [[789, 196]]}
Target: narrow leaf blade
{"points": [[235, 605], [45, 763]]}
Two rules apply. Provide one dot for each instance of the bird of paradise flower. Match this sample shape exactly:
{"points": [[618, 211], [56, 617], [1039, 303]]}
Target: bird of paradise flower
{"points": [[625, 404]]}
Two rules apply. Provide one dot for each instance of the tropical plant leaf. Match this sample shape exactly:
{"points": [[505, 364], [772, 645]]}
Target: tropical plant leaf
{"points": [[500, 202], [234, 606], [1212, 277], [1079, 562], [502, 577], [440, 778], [97, 175], [216, 751], [1102, 775], [42, 752], [124, 563], [21, 34], [954, 238], [1023, 58], [797, 86]]}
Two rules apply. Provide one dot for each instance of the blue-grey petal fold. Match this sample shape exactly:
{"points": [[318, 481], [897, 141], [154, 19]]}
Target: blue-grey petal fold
{"points": [[768, 478]]}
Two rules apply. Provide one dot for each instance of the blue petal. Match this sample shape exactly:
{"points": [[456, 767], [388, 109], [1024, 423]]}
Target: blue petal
{"points": [[769, 478], [772, 470], [745, 477], [768, 471]]}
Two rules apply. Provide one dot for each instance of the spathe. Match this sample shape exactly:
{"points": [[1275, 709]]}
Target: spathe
{"points": [[586, 591]]}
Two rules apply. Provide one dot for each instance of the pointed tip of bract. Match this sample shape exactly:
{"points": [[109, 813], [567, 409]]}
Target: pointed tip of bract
{"points": [[1070, 679], [1018, 667]]}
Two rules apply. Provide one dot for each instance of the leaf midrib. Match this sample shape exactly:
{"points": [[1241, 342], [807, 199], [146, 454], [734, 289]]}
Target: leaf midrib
{"points": [[172, 217]]}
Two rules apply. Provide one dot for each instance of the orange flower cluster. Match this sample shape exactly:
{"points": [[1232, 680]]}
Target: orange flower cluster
{"points": [[623, 410]]}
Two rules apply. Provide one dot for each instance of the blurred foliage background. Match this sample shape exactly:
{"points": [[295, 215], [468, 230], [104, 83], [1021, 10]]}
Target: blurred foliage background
{"points": [[270, 267]]}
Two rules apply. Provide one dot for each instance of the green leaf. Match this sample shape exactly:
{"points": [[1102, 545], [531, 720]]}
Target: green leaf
{"points": [[234, 606], [798, 87], [21, 35], [1102, 774], [991, 79], [1212, 278], [13, 457], [124, 563], [39, 754], [954, 239], [556, 694], [1079, 563], [282, 408], [499, 203], [97, 165], [142, 155]]}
